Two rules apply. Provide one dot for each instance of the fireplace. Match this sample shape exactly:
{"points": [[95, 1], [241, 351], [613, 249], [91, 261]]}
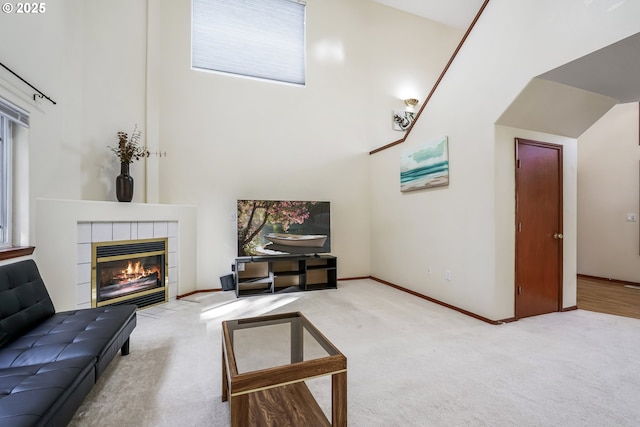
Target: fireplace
{"points": [[129, 272]]}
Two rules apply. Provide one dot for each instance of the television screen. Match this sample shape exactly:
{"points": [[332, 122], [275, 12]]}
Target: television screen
{"points": [[283, 227]]}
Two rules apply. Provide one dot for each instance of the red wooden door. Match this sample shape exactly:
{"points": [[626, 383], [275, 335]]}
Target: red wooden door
{"points": [[538, 228]]}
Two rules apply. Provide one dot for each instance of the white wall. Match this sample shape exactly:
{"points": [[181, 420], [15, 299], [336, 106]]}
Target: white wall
{"points": [[230, 138], [112, 65], [41, 48], [608, 155], [113, 59], [88, 56], [461, 228]]}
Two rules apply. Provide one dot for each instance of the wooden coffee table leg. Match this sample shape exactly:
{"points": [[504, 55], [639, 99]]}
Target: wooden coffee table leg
{"points": [[297, 342], [339, 399], [239, 408], [225, 385]]}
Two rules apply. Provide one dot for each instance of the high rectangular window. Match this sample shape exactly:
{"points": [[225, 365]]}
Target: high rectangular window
{"points": [[264, 39]]}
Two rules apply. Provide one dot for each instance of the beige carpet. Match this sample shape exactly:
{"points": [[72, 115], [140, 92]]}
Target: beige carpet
{"points": [[410, 363]]}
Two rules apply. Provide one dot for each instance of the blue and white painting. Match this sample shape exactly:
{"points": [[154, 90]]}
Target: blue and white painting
{"points": [[425, 166]]}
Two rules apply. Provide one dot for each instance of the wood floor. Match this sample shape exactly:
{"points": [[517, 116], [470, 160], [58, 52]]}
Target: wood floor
{"points": [[608, 297]]}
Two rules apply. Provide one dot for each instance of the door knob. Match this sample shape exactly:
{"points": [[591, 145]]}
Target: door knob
{"points": [[557, 236]]}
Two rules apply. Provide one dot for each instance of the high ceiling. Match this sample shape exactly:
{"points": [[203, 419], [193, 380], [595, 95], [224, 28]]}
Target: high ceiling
{"points": [[457, 13], [611, 71]]}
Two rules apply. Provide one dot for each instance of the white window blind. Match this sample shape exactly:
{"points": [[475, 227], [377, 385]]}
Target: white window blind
{"points": [[256, 38], [5, 181], [9, 115]]}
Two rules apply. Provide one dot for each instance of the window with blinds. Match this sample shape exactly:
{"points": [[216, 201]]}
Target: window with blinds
{"points": [[263, 39], [9, 116]]}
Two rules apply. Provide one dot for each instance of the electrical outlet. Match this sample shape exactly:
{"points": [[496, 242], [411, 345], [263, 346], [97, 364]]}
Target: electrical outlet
{"points": [[447, 275], [428, 271]]}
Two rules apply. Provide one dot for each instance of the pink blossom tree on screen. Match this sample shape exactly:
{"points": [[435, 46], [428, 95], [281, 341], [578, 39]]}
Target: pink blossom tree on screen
{"points": [[253, 215]]}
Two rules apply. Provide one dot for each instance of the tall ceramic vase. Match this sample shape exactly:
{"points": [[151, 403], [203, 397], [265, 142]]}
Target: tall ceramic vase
{"points": [[124, 184]]}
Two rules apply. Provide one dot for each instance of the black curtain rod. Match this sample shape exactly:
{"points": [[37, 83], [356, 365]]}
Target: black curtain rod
{"points": [[40, 94]]}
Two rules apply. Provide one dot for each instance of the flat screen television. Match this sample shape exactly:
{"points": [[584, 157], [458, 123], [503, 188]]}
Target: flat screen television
{"points": [[283, 227]]}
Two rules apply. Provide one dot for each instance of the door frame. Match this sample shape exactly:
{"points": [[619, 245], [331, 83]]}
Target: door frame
{"points": [[559, 149]]}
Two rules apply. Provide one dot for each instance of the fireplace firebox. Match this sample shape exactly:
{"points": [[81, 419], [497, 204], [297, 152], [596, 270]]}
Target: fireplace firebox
{"points": [[129, 272]]}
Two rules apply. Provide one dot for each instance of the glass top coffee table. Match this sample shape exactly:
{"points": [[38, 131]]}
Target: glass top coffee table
{"points": [[265, 362]]}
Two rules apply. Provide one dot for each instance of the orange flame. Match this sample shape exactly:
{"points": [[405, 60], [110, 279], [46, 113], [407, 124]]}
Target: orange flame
{"points": [[135, 271]]}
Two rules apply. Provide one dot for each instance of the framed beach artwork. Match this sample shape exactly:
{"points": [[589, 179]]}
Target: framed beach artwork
{"points": [[425, 166]]}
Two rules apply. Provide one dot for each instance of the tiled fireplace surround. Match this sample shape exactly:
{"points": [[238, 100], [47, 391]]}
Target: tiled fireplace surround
{"points": [[66, 228], [91, 232]]}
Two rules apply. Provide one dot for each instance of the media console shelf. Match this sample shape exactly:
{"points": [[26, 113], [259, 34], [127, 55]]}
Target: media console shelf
{"points": [[255, 275]]}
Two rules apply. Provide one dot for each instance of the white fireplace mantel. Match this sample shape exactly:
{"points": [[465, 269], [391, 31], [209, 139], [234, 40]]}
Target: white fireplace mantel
{"points": [[57, 234]]}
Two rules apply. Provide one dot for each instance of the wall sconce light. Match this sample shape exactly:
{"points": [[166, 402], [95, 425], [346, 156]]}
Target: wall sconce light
{"points": [[411, 102], [402, 119]]}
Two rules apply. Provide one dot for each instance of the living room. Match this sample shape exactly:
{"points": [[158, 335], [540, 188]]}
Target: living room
{"points": [[113, 65], [107, 80]]}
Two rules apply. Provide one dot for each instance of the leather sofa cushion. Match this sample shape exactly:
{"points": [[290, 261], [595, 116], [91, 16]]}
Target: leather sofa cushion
{"points": [[24, 300], [39, 394], [70, 334]]}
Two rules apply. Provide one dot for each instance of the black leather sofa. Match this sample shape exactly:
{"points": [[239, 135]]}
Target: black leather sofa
{"points": [[50, 361]]}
